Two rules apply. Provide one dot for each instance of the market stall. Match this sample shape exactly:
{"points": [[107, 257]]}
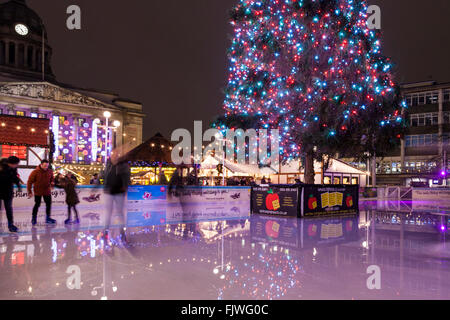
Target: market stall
{"points": [[151, 162], [26, 138]]}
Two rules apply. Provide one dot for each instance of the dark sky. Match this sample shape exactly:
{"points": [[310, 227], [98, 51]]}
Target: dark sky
{"points": [[171, 54]]}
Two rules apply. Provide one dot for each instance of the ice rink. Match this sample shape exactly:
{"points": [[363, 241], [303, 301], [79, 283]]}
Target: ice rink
{"points": [[391, 250]]}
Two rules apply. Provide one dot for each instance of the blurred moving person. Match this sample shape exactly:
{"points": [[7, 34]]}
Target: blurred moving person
{"points": [[41, 181], [117, 179], [9, 178]]}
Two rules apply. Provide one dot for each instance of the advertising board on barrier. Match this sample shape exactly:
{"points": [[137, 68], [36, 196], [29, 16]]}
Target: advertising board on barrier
{"points": [[431, 194], [141, 195], [281, 201], [88, 195], [192, 194], [329, 200], [191, 204]]}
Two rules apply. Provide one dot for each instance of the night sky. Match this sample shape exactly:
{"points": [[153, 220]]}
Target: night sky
{"points": [[171, 54]]}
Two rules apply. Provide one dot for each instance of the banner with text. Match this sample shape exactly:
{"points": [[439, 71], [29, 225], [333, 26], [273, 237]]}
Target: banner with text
{"points": [[275, 200], [320, 200]]}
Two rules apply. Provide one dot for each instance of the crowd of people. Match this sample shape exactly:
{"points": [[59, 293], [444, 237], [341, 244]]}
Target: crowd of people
{"points": [[42, 181]]}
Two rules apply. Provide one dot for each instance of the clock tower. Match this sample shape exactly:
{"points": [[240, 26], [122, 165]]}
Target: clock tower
{"points": [[22, 35]]}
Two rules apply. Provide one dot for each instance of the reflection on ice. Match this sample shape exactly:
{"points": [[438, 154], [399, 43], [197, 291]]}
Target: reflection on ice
{"points": [[212, 251]]}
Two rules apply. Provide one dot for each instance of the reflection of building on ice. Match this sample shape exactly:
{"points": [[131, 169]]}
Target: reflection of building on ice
{"points": [[86, 124]]}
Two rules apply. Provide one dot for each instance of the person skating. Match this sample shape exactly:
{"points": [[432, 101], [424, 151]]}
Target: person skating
{"points": [[40, 184], [117, 180], [9, 178], [68, 183], [95, 180]]}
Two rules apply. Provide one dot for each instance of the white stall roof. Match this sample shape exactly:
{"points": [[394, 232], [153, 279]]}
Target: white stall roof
{"points": [[211, 162], [335, 166]]}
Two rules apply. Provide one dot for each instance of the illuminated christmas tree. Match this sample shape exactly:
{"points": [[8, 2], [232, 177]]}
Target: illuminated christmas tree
{"points": [[313, 69]]}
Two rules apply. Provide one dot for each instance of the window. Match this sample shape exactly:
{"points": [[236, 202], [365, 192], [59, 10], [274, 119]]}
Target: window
{"points": [[17, 151], [34, 115], [421, 140], [12, 53], [20, 113], [2, 52], [446, 117], [417, 99], [42, 116], [424, 119], [447, 95], [30, 57]]}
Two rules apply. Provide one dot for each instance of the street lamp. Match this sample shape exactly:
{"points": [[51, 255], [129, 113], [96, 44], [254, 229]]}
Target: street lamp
{"points": [[107, 127]]}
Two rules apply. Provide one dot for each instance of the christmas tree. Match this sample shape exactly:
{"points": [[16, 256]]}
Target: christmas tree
{"points": [[314, 70]]}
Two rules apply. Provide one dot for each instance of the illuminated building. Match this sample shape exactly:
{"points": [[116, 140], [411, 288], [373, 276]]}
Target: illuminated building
{"points": [[77, 116]]}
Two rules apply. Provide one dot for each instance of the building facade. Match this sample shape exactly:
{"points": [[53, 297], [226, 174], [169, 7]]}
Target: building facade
{"points": [[423, 158], [85, 124]]}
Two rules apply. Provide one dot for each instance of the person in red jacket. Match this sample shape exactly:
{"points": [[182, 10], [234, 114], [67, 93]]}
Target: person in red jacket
{"points": [[43, 181]]}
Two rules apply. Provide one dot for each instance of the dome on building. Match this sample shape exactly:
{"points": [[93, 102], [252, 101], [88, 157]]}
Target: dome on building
{"points": [[21, 35]]}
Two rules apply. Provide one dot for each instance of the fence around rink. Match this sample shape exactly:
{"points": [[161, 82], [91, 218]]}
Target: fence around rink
{"points": [[139, 196]]}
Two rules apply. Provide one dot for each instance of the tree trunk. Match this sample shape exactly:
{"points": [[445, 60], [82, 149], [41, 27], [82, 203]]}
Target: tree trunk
{"points": [[309, 168], [374, 171]]}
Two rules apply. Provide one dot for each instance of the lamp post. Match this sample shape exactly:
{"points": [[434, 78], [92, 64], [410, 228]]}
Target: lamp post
{"points": [[107, 127]]}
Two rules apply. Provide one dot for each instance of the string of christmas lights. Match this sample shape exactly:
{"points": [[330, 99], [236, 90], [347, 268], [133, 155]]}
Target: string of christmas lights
{"points": [[311, 68]]}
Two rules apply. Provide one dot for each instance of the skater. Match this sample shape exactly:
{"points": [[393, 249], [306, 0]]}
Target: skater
{"points": [[95, 180], [42, 180], [68, 183], [117, 180], [9, 178]]}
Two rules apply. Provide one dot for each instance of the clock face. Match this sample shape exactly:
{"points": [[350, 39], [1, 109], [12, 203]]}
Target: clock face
{"points": [[21, 29]]}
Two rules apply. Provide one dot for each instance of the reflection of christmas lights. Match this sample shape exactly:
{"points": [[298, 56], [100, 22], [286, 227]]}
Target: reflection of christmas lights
{"points": [[271, 276]]}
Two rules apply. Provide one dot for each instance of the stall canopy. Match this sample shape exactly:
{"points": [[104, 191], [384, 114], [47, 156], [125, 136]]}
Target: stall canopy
{"points": [[24, 131], [211, 163], [153, 152]]}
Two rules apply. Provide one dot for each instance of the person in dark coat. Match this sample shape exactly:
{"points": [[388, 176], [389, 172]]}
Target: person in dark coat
{"points": [[9, 178], [117, 179], [68, 183]]}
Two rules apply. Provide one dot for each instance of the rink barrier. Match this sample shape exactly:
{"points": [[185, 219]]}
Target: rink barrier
{"points": [[305, 200], [145, 195]]}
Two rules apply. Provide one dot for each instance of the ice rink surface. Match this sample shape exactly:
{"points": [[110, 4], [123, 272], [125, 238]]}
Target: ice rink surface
{"points": [[391, 250]]}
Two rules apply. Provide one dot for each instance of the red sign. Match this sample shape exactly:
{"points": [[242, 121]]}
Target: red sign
{"points": [[24, 131]]}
